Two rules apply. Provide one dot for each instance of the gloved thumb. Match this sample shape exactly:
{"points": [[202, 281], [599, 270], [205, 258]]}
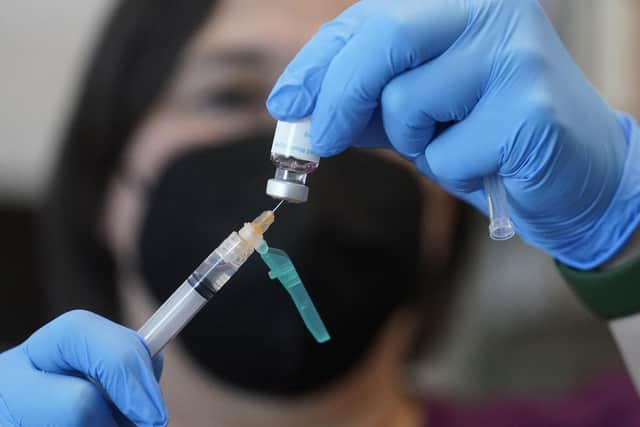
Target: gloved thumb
{"points": [[414, 103], [294, 94], [80, 342]]}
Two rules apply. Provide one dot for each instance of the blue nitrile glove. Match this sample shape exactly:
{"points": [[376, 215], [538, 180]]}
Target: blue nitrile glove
{"points": [[469, 89], [43, 381]]}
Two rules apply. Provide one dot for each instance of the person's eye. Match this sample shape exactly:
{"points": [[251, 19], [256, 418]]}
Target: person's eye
{"points": [[233, 98]]}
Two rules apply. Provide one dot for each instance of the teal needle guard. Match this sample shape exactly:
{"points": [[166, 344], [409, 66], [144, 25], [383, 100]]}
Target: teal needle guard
{"points": [[282, 268]]}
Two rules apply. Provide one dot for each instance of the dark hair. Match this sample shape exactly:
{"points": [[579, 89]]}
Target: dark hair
{"points": [[133, 62]]}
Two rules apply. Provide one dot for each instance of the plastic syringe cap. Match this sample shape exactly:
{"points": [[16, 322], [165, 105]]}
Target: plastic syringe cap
{"points": [[281, 267], [285, 190]]}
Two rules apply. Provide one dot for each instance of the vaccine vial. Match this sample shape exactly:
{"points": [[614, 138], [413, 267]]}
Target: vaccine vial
{"points": [[292, 156]]}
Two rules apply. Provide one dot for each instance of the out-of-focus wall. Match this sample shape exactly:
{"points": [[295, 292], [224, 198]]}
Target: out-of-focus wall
{"points": [[604, 36], [43, 49], [618, 54], [43, 46]]}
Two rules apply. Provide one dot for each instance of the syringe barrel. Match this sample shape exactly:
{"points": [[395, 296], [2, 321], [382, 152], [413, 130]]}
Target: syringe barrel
{"points": [[210, 276], [171, 317]]}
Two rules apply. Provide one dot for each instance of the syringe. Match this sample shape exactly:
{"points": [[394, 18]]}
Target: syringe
{"points": [[203, 283]]}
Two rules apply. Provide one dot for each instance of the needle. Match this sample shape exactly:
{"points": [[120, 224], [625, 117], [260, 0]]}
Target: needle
{"points": [[278, 206]]}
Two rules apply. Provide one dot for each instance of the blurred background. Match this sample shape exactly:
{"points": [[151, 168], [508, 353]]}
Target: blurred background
{"points": [[517, 331]]}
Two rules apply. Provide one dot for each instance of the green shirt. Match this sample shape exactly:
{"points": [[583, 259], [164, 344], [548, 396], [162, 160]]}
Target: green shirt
{"points": [[610, 294]]}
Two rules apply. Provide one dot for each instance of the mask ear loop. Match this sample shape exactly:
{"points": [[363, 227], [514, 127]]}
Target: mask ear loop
{"points": [[281, 268]]}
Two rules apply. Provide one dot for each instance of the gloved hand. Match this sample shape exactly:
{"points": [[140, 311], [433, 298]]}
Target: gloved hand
{"points": [[43, 381], [468, 89]]}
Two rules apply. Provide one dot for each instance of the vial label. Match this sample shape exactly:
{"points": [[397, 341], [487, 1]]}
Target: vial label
{"points": [[291, 139]]}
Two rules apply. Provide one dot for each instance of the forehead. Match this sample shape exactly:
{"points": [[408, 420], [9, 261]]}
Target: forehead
{"points": [[279, 27]]}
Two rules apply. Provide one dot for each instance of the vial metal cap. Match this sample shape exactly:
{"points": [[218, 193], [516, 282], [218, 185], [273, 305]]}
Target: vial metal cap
{"points": [[292, 192]]}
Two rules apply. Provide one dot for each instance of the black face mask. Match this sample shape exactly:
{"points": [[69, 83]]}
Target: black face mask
{"points": [[355, 245]]}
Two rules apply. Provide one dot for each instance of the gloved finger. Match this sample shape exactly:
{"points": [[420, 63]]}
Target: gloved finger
{"points": [[461, 156], [438, 91], [384, 47], [294, 94], [157, 362], [121, 420], [33, 398], [374, 135], [473, 195], [158, 365], [112, 355]]}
